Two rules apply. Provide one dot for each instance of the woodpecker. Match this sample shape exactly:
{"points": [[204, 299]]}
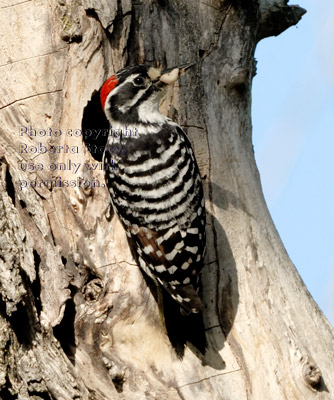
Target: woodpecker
{"points": [[156, 189]]}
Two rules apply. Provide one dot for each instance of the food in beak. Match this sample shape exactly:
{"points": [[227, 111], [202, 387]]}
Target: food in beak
{"points": [[171, 75]]}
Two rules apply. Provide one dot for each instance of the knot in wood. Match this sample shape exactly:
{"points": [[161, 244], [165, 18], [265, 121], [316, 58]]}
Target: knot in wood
{"points": [[312, 374], [239, 79], [87, 188], [92, 289]]}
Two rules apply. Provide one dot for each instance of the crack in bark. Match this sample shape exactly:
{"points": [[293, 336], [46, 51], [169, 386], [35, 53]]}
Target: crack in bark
{"points": [[29, 97], [193, 126], [16, 4], [211, 262], [214, 44], [30, 58], [205, 379], [210, 5], [115, 263], [209, 328], [95, 51]]}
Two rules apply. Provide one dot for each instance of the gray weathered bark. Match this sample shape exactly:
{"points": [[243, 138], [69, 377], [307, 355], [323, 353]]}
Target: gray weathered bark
{"points": [[76, 318]]}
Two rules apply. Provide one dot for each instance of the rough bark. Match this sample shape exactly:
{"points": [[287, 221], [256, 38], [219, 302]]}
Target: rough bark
{"points": [[77, 319]]}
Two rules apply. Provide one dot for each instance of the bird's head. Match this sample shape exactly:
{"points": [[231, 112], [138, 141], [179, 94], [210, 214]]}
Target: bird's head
{"points": [[132, 95]]}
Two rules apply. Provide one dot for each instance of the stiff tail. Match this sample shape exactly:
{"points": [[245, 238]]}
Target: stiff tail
{"points": [[186, 296], [182, 327]]}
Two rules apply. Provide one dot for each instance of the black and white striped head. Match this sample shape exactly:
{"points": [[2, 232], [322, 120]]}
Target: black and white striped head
{"points": [[132, 95]]}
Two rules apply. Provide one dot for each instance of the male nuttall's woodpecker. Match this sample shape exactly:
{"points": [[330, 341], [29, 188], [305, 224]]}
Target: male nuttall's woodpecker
{"points": [[156, 189]]}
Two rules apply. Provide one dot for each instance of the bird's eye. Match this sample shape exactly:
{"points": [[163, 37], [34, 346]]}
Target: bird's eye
{"points": [[139, 81]]}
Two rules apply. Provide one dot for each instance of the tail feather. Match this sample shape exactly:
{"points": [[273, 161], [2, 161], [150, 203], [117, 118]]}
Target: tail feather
{"points": [[187, 297], [183, 327]]}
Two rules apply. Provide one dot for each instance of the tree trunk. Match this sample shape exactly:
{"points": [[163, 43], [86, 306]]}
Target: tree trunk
{"points": [[77, 319]]}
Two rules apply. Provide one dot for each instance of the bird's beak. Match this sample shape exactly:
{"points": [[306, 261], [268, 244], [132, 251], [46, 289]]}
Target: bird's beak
{"points": [[170, 75]]}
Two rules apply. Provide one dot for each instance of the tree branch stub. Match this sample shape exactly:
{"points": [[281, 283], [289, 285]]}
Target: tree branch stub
{"points": [[275, 16]]}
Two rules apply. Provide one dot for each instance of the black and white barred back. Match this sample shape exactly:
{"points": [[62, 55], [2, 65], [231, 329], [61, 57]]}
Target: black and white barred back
{"points": [[156, 188]]}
